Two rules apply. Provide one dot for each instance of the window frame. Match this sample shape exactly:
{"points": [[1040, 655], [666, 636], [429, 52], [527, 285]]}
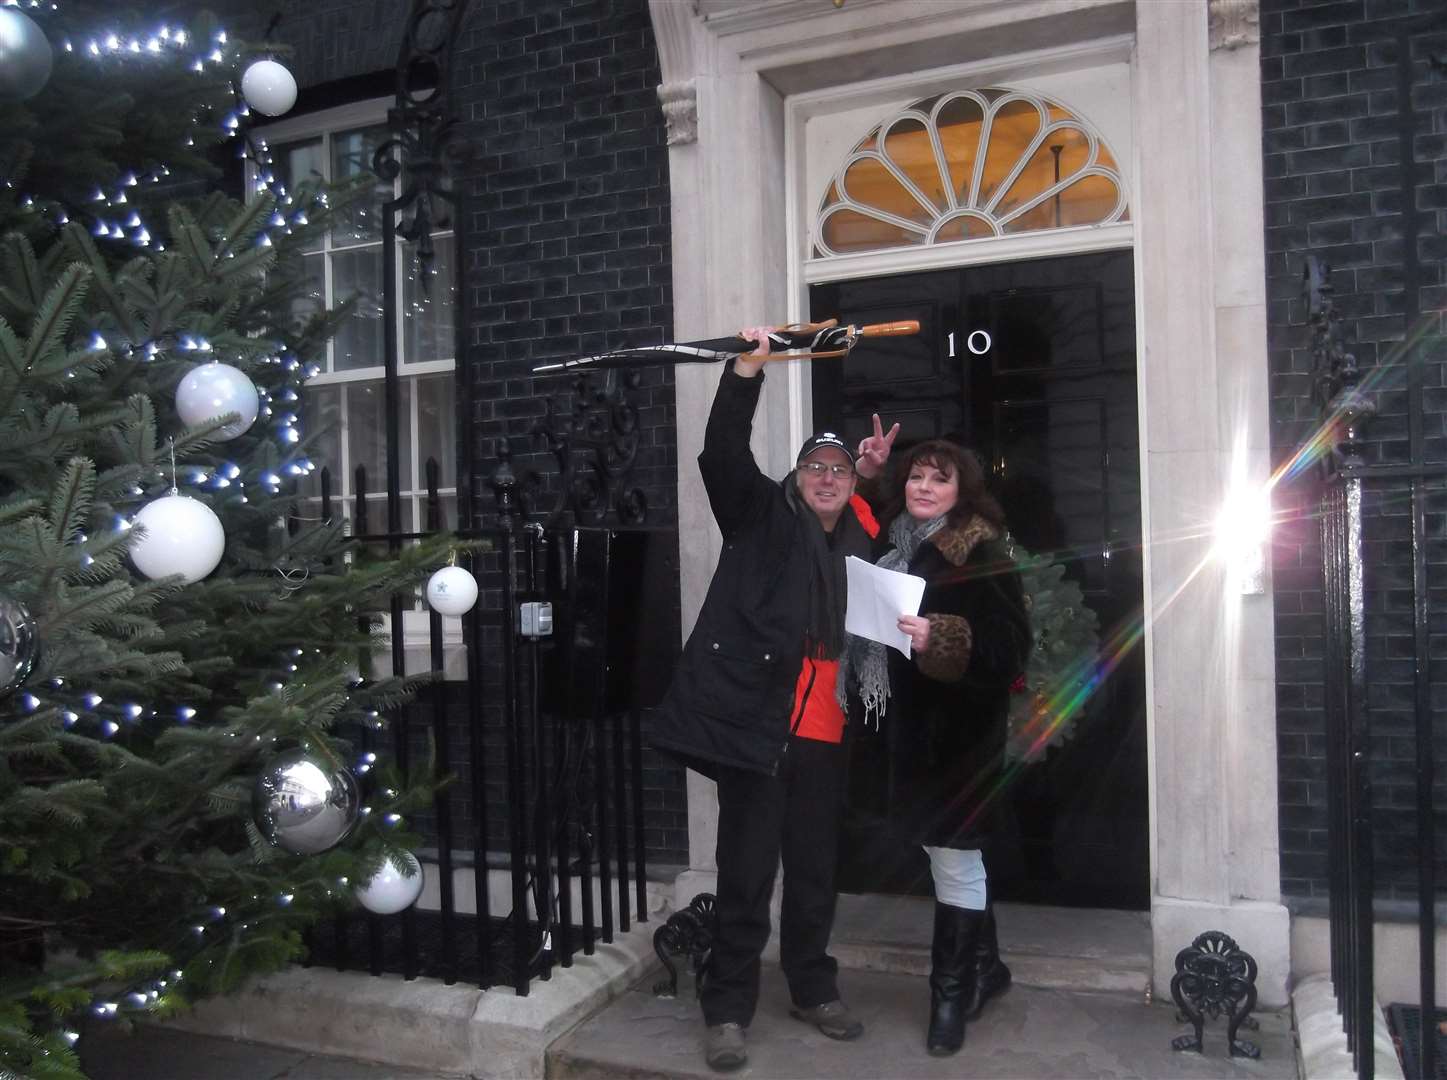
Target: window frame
{"points": [[822, 126], [971, 201]]}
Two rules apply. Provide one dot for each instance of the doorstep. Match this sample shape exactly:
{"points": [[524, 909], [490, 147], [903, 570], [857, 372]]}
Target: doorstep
{"points": [[1028, 1033], [1076, 949]]}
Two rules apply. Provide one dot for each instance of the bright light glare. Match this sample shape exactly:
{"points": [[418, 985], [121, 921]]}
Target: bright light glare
{"points": [[1242, 529]]}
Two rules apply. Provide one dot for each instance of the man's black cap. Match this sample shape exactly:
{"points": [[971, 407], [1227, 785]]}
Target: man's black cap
{"points": [[821, 439]]}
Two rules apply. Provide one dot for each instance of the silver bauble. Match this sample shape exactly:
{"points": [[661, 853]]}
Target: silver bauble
{"points": [[25, 56], [304, 803], [18, 644]]}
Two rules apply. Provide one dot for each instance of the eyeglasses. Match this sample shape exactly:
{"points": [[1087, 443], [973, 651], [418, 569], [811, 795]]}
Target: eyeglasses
{"points": [[817, 469]]}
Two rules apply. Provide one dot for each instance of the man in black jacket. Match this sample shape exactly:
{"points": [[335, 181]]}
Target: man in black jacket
{"points": [[753, 706]]}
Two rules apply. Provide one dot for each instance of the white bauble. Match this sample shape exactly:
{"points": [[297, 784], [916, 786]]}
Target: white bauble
{"points": [[268, 87], [212, 390], [451, 591], [183, 536], [389, 892], [25, 56]]}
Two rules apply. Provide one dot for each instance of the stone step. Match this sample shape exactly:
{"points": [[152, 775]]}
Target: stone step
{"points": [[1070, 949], [1026, 1034], [1047, 972]]}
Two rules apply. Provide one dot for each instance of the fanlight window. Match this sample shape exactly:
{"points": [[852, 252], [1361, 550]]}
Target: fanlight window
{"points": [[969, 165]]}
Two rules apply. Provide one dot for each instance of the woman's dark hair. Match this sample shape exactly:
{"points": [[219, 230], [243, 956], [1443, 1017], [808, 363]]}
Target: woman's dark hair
{"points": [[953, 459]]}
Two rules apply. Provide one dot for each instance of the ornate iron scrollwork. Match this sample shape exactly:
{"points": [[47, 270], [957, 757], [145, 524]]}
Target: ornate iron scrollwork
{"points": [[1214, 977], [686, 933], [1344, 406], [424, 145], [593, 433]]}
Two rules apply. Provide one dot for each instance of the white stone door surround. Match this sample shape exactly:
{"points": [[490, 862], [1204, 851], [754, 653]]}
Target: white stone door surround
{"points": [[729, 67]]}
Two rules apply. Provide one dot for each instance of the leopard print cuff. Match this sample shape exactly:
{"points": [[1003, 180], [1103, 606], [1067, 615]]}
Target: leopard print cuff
{"points": [[950, 643]]}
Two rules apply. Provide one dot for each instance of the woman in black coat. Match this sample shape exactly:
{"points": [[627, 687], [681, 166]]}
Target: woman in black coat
{"points": [[945, 708]]}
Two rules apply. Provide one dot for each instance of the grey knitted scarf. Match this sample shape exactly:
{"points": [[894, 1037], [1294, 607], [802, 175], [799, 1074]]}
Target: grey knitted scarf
{"points": [[865, 662]]}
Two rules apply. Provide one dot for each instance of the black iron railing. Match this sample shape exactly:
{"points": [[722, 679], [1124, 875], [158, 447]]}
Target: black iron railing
{"points": [[1356, 496], [1375, 508], [551, 786]]}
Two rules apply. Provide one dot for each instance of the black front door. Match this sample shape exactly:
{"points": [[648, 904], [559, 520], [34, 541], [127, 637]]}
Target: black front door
{"points": [[1033, 365]]}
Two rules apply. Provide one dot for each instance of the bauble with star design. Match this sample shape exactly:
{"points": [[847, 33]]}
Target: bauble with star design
{"points": [[451, 591]]}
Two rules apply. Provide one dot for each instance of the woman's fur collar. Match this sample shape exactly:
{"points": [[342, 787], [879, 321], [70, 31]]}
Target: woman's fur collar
{"points": [[955, 542]]}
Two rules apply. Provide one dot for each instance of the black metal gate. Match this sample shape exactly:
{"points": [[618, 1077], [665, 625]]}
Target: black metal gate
{"points": [[553, 726]]}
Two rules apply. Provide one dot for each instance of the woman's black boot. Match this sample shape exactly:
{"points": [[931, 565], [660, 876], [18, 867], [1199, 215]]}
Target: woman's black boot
{"points": [[991, 975], [952, 977]]}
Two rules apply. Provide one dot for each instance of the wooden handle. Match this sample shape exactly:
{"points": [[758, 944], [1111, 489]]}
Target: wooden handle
{"points": [[890, 329]]}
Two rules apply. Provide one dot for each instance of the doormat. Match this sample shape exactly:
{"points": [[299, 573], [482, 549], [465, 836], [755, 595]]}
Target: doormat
{"points": [[1406, 1024]]}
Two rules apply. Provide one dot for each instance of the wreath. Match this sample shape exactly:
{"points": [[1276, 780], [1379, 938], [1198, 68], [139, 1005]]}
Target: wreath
{"points": [[1049, 696]]}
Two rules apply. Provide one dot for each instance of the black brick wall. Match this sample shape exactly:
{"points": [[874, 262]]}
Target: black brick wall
{"points": [[1334, 186], [568, 253]]}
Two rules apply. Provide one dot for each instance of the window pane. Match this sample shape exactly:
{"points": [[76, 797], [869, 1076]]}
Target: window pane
{"points": [[1085, 202], [377, 515], [367, 433], [868, 182], [298, 162], [311, 299], [964, 228], [321, 415], [908, 145], [427, 315], [446, 511], [352, 156], [1011, 133], [436, 429], [358, 343], [845, 230], [959, 124], [1064, 153]]}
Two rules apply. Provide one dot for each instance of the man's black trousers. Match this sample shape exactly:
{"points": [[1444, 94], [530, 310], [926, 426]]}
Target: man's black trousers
{"points": [[794, 814]]}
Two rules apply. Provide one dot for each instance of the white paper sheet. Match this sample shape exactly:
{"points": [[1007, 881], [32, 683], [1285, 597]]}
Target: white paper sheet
{"points": [[877, 598]]}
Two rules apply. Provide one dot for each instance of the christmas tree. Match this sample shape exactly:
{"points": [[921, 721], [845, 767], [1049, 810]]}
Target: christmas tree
{"points": [[181, 652]]}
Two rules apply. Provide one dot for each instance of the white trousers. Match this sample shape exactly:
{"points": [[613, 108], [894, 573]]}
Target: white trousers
{"points": [[959, 877]]}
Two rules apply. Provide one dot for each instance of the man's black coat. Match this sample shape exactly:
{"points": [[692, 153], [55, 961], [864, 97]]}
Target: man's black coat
{"points": [[733, 692]]}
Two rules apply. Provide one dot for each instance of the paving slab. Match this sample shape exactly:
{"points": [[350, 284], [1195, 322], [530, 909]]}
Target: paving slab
{"points": [[1030, 1033]]}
